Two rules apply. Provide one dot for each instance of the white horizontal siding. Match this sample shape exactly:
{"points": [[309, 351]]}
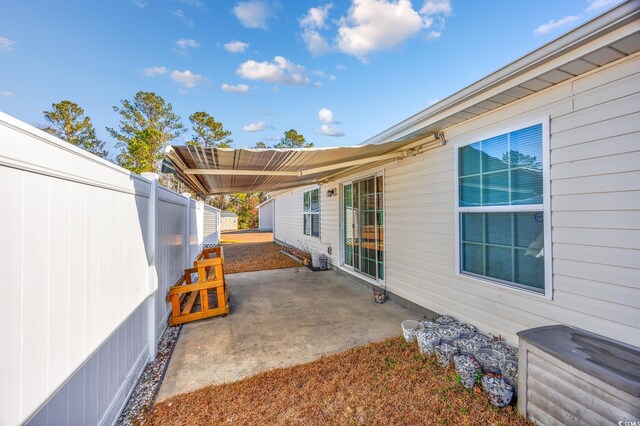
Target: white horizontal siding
{"points": [[595, 188], [265, 217], [289, 222], [211, 220]]}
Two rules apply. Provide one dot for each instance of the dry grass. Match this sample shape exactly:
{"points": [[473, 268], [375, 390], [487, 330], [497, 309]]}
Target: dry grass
{"points": [[255, 257], [381, 383]]}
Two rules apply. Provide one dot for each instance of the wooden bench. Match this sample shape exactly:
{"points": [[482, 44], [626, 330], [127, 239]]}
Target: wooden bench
{"points": [[210, 288]]}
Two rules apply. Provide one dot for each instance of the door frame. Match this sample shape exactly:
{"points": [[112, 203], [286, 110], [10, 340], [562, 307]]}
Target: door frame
{"points": [[341, 224]]}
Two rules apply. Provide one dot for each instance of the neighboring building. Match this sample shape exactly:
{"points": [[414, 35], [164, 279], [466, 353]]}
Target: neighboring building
{"points": [[265, 215], [211, 226], [228, 220], [529, 215]]}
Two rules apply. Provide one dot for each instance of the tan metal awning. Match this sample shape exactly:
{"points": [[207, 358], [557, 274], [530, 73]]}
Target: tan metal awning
{"points": [[210, 171]]}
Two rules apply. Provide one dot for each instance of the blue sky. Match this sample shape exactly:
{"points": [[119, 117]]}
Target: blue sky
{"points": [[339, 72]]}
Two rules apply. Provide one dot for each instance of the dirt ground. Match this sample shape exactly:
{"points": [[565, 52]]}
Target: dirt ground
{"points": [[247, 251], [246, 236], [381, 383]]}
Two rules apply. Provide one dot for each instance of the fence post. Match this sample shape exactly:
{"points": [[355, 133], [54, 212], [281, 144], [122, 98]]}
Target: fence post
{"points": [[151, 256], [219, 221], [188, 258]]}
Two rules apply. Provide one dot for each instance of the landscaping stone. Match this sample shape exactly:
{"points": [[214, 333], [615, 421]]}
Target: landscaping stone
{"points": [[498, 391], [468, 370]]}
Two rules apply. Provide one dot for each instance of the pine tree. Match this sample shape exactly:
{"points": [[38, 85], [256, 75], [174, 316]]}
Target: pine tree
{"points": [[207, 132], [147, 125], [293, 139], [68, 121]]}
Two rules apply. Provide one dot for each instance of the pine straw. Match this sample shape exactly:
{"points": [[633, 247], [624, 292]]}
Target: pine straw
{"points": [[255, 257], [381, 383]]}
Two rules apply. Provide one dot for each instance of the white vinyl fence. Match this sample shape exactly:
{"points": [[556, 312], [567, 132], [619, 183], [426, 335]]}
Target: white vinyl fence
{"points": [[87, 253]]}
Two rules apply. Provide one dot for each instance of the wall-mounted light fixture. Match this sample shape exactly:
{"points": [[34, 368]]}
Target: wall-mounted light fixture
{"points": [[331, 192], [440, 136]]}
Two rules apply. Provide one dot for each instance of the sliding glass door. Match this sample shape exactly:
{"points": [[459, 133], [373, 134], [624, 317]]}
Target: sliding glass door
{"points": [[363, 226]]}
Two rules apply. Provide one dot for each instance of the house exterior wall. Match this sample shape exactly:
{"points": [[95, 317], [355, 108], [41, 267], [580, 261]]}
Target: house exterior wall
{"points": [[88, 252], [265, 217], [595, 210], [289, 222]]}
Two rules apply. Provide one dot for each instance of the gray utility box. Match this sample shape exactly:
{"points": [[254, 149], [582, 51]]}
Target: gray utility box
{"points": [[569, 376]]}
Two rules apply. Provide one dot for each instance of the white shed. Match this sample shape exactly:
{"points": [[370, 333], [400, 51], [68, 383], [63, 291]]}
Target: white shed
{"points": [[228, 221], [265, 215], [211, 226]]}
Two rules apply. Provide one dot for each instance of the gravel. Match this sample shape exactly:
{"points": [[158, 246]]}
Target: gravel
{"points": [[409, 329], [489, 360], [509, 370], [505, 349], [467, 329], [498, 391], [483, 339], [444, 353], [448, 334], [427, 340], [467, 346], [140, 402], [444, 319], [468, 370], [429, 324]]}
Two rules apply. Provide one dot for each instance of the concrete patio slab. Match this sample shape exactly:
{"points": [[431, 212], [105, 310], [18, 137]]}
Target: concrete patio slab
{"points": [[278, 318]]}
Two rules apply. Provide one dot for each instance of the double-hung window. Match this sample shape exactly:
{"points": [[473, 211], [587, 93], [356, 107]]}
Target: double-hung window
{"points": [[311, 212], [502, 209]]}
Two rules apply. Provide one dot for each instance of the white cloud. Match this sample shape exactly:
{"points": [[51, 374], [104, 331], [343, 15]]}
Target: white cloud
{"points": [[310, 23], [253, 13], [332, 77], [153, 71], [280, 71], [316, 17], [140, 3], [7, 44], [316, 43], [256, 126], [554, 24], [436, 7], [598, 5], [433, 102], [7, 93], [183, 45], [238, 88], [372, 25], [187, 78], [194, 3], [341, 67], [377, 24], [593, 6], [185, 20], [330, 131], [325, 115], [235, 46]]}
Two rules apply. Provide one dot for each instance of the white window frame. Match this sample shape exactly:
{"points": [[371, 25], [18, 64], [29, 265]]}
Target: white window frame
{"points": [[545, 207], [310, 213]]}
